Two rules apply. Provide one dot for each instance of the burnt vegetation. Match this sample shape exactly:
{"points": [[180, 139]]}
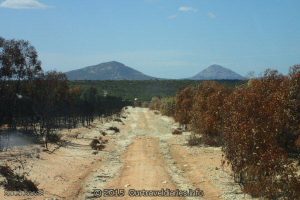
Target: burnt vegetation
{"points": [[113, 128], [256, 124], [16, 182], [42, 103], [98, 144]]}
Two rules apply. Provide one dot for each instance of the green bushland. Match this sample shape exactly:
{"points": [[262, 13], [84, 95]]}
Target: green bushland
{"points": [[144, 90]]}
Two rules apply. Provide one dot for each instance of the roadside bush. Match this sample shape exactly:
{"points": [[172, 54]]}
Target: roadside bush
{"points": [[54, 138], [177, 131], [94, 144], [194, 140], [167, 106], [97, 144], [16, 182], [155, 103], [156, 112], [112, 128], [257, 125], [256, 119], [291, 140], [207, 115], [184, 103], [145, 104], [103, 133], [118, 120]]}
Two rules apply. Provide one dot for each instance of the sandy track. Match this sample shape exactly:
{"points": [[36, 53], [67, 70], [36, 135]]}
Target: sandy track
{"points": [[61, 173], [144, 168], [192, 167], [144, 155]]}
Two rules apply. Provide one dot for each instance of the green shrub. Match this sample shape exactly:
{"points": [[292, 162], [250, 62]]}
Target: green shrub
{"points": [[167, 106]]}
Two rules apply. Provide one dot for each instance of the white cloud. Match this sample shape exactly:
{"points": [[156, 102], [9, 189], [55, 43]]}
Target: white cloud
{"points": [[211, 15], [23, 4], [187, 9], [172, 17]]}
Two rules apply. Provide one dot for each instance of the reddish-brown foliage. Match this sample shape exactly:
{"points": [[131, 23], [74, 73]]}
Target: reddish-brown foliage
{"points": [[184, 103], [207, 116], [258, 125], [257, 118]]}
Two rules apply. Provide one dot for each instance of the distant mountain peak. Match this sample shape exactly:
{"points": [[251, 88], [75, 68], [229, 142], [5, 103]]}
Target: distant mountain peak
{"points": [[217, 72], [111, 70], [112, 63], [216, 66], [116, 62]]}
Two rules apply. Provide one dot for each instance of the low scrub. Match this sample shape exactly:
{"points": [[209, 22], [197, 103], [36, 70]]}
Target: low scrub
{"points": [[103, 133], [113, 128], [54, 138], [118, 120], [156, 112], [194, 140], [97, 144], [15, 182], [177, 131], [167, 106], [155, 103]]}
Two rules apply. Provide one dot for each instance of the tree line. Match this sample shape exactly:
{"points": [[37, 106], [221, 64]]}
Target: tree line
{"points": [[42, 102], [257, 124], [144, 90]]}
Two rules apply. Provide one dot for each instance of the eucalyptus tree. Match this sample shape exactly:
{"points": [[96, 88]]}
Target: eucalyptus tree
{"points": [[18, 62]]}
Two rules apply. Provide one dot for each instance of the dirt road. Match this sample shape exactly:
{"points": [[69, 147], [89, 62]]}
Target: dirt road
{"points": [[144, 155]]}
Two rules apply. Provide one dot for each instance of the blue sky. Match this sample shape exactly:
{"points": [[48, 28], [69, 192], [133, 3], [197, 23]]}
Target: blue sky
{"points": [[162, 38]]}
